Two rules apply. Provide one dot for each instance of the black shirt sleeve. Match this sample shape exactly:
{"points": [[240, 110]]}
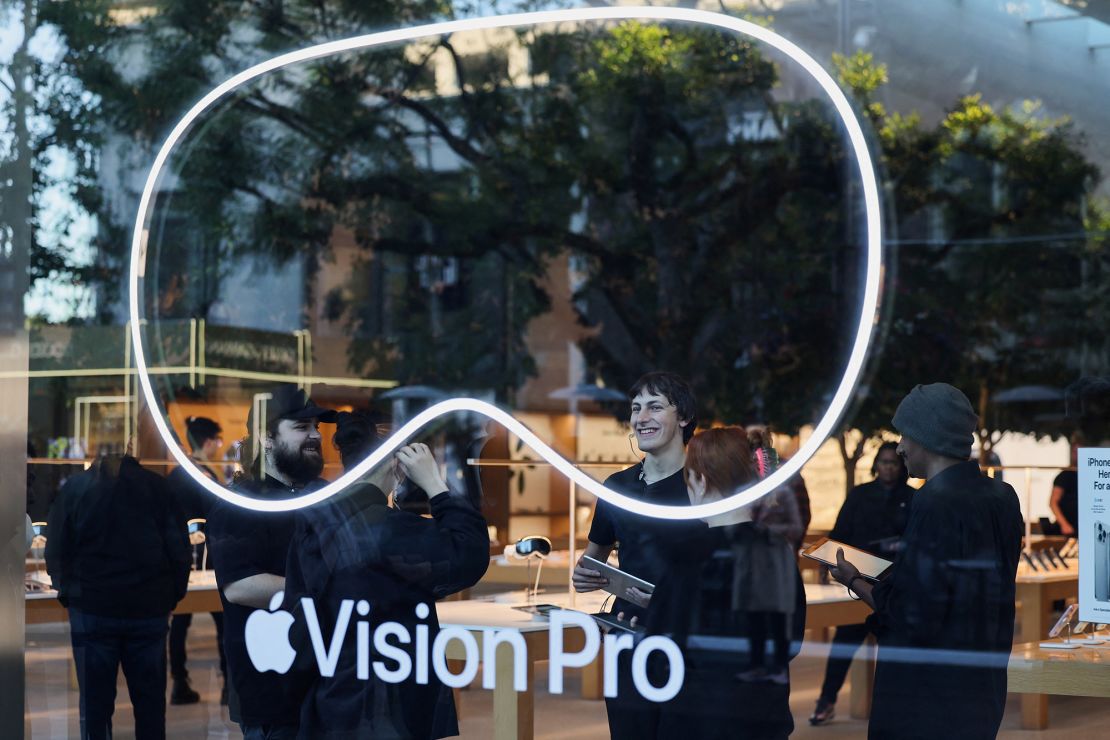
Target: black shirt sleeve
{"points": [[59, 537], [602, 530], [234, 534]]}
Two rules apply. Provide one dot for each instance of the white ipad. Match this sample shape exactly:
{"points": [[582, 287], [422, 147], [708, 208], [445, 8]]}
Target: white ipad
{"points": [[619, 581], [870, 566]]}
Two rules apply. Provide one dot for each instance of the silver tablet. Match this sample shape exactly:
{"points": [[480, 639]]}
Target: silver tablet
{"points": [[619, 581], [870, 566]]}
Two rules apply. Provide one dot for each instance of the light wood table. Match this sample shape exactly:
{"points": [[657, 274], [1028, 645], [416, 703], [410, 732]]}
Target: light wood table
{"points": [[829, 605], [513, 711], [1036, 592], [42, 607], [1036, 672]]}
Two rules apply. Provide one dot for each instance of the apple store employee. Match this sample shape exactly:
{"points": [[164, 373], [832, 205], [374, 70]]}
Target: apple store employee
{"points": [[249, 549]]}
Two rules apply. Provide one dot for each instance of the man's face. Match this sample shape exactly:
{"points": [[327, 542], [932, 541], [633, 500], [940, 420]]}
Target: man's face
{"points": [[888, 467], [914, 456], [296, 449], [655, 421]]}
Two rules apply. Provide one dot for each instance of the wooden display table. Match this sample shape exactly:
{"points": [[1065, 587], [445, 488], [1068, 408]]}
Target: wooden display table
{"points": [[1036, 592], [1036, 672], [42, 607]]}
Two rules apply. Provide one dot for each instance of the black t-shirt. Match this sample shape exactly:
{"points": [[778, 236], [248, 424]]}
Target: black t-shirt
{"points": [[1069, 502], [873, 518], [642, 541], [246, 543]]}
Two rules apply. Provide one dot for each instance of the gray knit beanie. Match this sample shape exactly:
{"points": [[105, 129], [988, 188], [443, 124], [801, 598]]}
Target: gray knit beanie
{"points": [[940, 418]]}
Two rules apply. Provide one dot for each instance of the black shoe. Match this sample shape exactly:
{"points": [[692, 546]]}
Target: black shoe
{"points": [[183, 693], [223, 696], [823, 714]]}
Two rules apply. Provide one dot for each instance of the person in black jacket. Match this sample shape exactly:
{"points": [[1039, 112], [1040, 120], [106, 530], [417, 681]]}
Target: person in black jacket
{"points": [[872, 518], [944, 614], [732, 588], [118, 555], [355, 546], [194, 501]]}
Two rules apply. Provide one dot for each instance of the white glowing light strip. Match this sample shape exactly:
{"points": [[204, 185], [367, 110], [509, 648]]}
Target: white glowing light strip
{"points": [[867, 314]]}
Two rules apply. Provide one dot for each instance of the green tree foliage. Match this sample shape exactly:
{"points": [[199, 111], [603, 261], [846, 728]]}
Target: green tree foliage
{"points": [[711, 219], [987, 292]]}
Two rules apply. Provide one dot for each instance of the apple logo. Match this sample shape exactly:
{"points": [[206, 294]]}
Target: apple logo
{"points": [[267, 636]]}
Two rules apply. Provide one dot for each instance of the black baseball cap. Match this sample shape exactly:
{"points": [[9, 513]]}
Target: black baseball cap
{"points": [[291, 402]]}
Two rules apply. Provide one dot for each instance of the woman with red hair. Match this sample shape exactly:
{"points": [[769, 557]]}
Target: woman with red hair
{"points": [[732, 587]]}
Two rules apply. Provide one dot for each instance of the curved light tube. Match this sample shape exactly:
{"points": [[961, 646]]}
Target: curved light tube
{"points": [[867, 315]]}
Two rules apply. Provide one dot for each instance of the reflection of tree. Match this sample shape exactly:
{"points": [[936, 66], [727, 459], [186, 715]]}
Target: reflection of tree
{"points": [[995, 267], [707, 245], [714, 254]]}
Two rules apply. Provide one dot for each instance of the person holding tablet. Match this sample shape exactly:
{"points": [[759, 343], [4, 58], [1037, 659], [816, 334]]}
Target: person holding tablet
{"points": [[873, 518], [944, 613], [663, 418]]}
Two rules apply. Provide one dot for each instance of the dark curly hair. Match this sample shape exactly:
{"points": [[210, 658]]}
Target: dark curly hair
{"points": [[675, 389]]}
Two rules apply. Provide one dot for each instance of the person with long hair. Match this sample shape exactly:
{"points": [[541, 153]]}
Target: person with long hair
{"points": [[733, 588], [872, 518]]}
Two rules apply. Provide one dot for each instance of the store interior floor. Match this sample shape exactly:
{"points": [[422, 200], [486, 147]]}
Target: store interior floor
{"points": [[52, 703]]}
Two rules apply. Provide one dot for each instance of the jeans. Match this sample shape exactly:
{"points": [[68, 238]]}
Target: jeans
{"points": [[269, 732], [179, 629], [847, 641], [101, 646]]}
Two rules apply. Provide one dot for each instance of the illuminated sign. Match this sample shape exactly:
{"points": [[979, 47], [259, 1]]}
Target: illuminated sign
{"points": [[824, 427], [269, 649]]}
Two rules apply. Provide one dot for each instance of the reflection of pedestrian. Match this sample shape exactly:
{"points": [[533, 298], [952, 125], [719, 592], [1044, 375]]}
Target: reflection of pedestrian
{"points": [[356, 547], [730, 590], [873, 517], [944, 616], [118, 555], [194, 502]]}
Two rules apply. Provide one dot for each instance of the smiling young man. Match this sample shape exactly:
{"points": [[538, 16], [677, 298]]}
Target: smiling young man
{"points": [[663, 418], [250, 548]]}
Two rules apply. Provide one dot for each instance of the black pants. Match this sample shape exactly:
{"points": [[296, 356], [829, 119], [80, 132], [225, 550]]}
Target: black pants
{"points": [[179, 629], [762, 625], [847, 641], [103, 645]]}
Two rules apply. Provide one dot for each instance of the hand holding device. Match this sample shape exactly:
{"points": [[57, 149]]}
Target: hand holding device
{"points": [[586, 578], [637, 596], [617, 582], [861, 563], [419, 465]]}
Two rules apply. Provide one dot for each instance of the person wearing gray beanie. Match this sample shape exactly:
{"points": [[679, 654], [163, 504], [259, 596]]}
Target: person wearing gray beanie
{"points": [[951, 587], [940, 418]]}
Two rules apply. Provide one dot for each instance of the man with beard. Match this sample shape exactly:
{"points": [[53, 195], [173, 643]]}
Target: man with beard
{"points": [[250, 548]]}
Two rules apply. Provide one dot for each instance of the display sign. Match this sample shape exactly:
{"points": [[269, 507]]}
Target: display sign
{"points": [[1094, 534]]}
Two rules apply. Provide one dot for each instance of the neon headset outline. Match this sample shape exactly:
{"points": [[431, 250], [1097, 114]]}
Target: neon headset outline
{"points": [[868, 309]]}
